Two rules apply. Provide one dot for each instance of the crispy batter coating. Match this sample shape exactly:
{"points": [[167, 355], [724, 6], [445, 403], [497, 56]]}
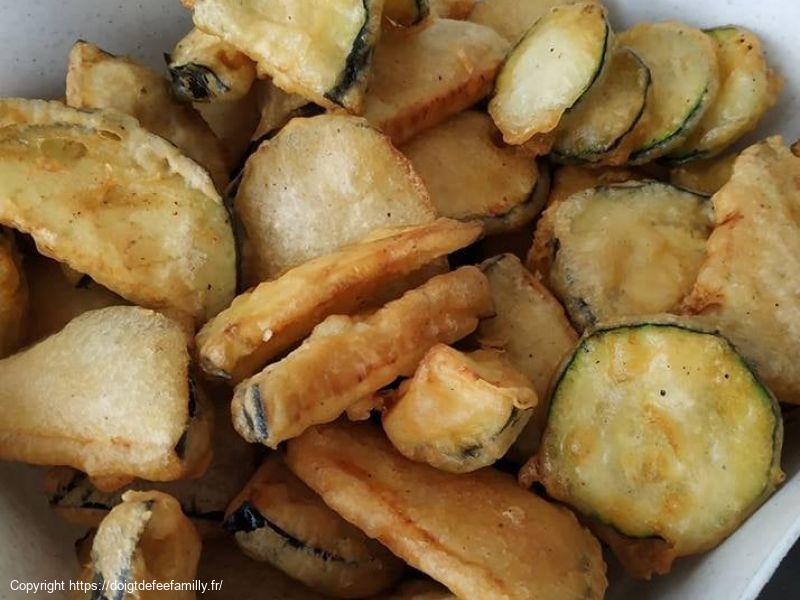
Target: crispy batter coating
{"points": [[14, 296]]}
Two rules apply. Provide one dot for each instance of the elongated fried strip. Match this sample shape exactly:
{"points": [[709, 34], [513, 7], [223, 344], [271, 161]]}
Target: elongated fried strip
{"points": [[97, 79], [747, 284], [13, 295], [145, 539], [97, 191], [348, 358], [265, 321], [479, 533], [110, 395]]}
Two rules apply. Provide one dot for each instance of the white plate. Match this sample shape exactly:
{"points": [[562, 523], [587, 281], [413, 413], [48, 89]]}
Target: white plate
{"points": [[36, 36]]}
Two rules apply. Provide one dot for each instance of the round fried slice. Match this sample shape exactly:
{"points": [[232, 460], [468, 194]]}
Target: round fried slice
{"points": [[278, 519], [747, 284], [513, 18], [13, 295], [625, 250], [704, 177], [319, 184], [661, 430], [460, 412], [748, 88], [471, 174], [685, 79]]}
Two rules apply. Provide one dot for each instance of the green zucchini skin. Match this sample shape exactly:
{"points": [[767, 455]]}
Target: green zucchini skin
{"points": [[694, 526]]}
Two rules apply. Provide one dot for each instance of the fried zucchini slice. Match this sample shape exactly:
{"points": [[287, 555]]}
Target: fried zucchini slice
{"points": [[748, 88], [205, 68], [349, 358], [320, 51], [704, 177], [14, 296], [54, 300], [145, 539], [513, 18], [97, 79], [459, 412], [405, 13], [530, 326], [685, 79], [245, 578], [74, 498], [280, 520], [746, 286], [546, 74], [319, 184], [658, 429], [597, 129], [263, 322], [98, 192], [470, 174], [110, 395], [625, 250], [421, 78], [475, 532]]}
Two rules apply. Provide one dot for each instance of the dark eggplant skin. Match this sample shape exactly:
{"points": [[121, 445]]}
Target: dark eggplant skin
{"points": [[254, 415], [357, 63], [193, 82]]}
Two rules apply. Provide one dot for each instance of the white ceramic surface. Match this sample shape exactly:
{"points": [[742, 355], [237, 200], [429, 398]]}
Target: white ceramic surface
{"points": [[35, 36]]}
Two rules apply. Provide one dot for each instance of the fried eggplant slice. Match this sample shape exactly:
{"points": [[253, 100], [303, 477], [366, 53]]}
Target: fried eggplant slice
{"points": [[470, 174], [97, 79], [244, 578], [748, 88], [597, 129], [14, 295], [546, 74], [98, 192], [205, 68], [746, 286], [145, 539], [320, 51], [319, 184], [685, 78], [475, 532], [625, 250], [280, 520], [110, 394], [459, 412], [530, 326], [405, 13], [277, 108], [660, 430], [55, 300], [235, 121], [421, 78], [704, 177], [263, 322], [513, 18], [349, 358], [204, 500]]}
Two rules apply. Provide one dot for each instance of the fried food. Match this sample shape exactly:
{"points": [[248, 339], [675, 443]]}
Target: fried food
{"points": [[422, 77], [319, 184], [470, 174], [110, 394], [205, 68], [280, 520], [97, 79], [475, 533], [14, 295], [660, 430], [746, 286], [459, 412], [513, 18], [98, 192], [704, 177], [625, 250], [146, 538], [685, 79], [530, 326], [348, 358], [267, 320], [535, 88], [320, 51]]}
